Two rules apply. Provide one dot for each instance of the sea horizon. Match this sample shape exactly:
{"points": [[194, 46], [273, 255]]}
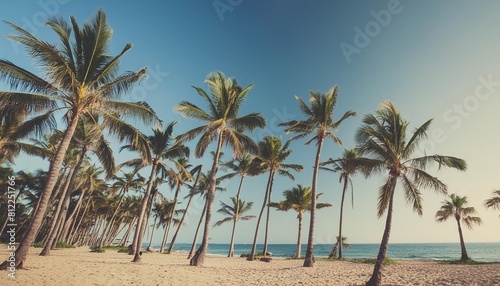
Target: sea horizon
{"points": [[479, 251]]}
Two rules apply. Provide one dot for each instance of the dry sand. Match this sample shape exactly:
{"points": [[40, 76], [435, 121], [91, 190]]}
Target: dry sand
{"points": [[80, 267]]}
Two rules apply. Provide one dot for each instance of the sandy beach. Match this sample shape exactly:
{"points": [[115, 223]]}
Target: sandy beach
{"points": [[79, 266]]}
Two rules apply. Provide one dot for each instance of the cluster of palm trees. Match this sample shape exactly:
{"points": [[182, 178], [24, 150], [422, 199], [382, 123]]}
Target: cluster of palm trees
{"points": [[80, 202]]}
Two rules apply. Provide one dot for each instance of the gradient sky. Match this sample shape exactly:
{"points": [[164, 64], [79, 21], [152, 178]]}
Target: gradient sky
{"points": [[433, 59]]}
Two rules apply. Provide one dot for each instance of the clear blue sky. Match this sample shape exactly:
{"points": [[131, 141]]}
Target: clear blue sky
{"points": [[436, 59]]}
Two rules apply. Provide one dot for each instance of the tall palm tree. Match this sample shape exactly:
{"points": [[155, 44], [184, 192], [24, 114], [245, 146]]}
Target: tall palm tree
{"points": [[383, 137], [299, 199], [494, 201], [272, 156], [456, 207], [234, 213], [243, 166], [319, 123], [79, 77], [223, 125], [348, 165], [162, 147]]}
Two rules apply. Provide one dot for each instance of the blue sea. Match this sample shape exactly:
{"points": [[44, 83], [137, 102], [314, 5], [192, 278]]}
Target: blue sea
{"points": [[486, 252]]}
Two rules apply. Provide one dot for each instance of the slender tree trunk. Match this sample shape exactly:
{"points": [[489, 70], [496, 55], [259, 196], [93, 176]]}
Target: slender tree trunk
{"points": [[346, 181], [139, 233], [254, 246], [171, 246], [54, 225], [112, 219], [71, 218], [266, 236], [309, 260], [150, 249], [55, 166], [236, 211], [199, 256], [170, 218], [299, 246], [195, 239], [82, 216], [462, 243], [376, 278]]}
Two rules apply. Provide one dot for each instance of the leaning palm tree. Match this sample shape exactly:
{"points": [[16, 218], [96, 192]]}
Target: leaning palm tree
{"points": [[79, 77], [162, 147], [342, 242], [321, 125], [348, 165], [299, 199], [383, 137], [234, 213], [224, 126], [494, 201], [272, 156], [457, 207]]}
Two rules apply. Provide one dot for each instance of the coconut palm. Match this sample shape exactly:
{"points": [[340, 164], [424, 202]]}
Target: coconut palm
{"points": [[272, 156], [348, 165], [319, 123], [457, 207], [494, 201], [383, 137], [223, 125], [234, 213], [243, 166], [79, 77], [162, 147], [299, 199], [343, 243]]}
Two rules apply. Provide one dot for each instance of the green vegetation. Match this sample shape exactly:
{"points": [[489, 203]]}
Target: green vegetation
{"points": [[97, 249], [61, 244], [119, 249]]}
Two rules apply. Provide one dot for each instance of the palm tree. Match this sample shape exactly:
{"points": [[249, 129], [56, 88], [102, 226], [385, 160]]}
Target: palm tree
{"points": [[161, 147], [243, 166], [234, 213], [80, 77], [343, 243], [321, 125], [494, 201], [299, 199], [347, 166], [457, 207], [383, 137], [223, 125], [272, 156]]}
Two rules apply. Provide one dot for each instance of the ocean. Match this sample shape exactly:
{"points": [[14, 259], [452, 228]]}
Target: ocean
{"points": [[486, 252]]}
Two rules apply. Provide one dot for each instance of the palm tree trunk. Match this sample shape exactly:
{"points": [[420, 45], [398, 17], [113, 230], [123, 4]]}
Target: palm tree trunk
{"points": [[462, 243], [70, 221], [136, 245], [151, 238], [199, 256], [236, 212], [55, 166], [376, 278], [298, 249], [184, 214], [309, 259], [254, 246], [346, 181], [266, 235], [112, 219], [193, 246], [171, 217], [82, 216]]}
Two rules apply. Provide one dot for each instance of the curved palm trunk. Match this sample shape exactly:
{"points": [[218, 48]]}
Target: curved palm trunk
{"points": [[309, 259], [236, 213], [199, 256], [185, 213], [82, 216], [141, 225], [151, 238], [266, 236], [339, 242], [254, 246], [193, 246], [298, 249], [462, 243], [55, 166], [376, 278], [112, 219]]}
